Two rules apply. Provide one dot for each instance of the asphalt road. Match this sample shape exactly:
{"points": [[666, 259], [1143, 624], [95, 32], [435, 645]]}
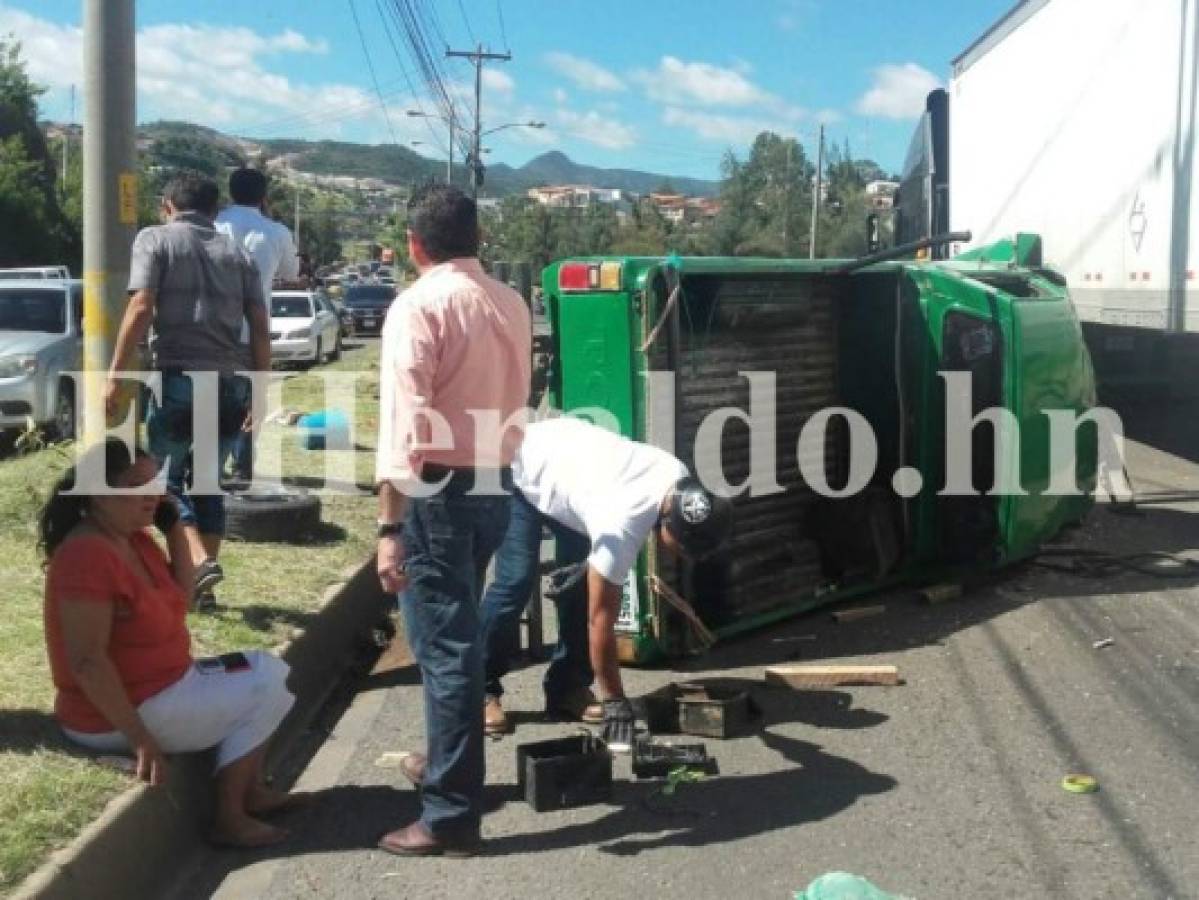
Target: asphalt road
{"points": [[945, 787]]}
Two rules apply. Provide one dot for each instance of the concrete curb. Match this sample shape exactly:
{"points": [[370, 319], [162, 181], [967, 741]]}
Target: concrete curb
{"points": [[143, 835]]}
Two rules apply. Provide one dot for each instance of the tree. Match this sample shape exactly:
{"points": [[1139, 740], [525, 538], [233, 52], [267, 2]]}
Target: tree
{"points": [[36, 231], [320, 237]]}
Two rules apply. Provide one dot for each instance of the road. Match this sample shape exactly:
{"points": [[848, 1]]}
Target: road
{"points": [[947, 786]]}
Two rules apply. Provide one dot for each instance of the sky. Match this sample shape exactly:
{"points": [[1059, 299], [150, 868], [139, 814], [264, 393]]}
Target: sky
{"points": [[664, 87]]}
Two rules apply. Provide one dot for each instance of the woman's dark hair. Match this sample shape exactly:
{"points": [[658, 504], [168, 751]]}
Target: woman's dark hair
{"points": [[64, 511], [445, 221]]}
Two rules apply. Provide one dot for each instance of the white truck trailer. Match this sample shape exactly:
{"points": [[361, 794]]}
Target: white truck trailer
{"points": [[1076, 120]]}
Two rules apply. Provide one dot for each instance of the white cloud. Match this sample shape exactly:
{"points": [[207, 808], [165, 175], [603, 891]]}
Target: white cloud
{"points": [[584, 73], [603, 131], [679, 82], [207, 74], [499, 81], [721, 128], [560, 96], [898, 91]]}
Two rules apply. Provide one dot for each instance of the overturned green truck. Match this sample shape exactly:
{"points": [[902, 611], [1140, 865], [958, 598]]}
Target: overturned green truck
{"points": [[816, 350]]}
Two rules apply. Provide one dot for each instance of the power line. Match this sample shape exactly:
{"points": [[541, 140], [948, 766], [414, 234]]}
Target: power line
{"points": [[371, 68], [466, 21], [499, 12]]}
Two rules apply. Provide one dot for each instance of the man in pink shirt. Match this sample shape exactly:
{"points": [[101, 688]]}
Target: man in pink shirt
{"points": [[454, 382]]}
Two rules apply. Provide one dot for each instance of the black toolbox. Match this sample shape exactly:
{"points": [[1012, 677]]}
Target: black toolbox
{"points": [[564, 772]]}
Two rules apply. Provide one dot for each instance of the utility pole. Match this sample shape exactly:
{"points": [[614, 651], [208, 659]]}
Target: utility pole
{"points": [[477, 57], [816, 195], [449, 161], [109, 191], [296, 230]]}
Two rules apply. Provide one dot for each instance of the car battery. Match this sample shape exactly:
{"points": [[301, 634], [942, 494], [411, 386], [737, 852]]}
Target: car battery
{"points": [[564, 772]]}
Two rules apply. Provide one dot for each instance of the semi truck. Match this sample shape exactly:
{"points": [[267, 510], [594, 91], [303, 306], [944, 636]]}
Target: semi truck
{"points": [[1076, 120]]}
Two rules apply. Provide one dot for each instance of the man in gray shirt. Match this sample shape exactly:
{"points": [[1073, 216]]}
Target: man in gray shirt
{"points": [[195, 286]]}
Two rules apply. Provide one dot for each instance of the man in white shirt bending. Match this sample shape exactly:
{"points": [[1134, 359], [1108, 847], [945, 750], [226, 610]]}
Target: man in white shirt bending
{"points": [[270, 245], [602, 496]]}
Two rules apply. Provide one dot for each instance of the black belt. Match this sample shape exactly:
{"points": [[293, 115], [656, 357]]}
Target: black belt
{"points": [[455, 476]]}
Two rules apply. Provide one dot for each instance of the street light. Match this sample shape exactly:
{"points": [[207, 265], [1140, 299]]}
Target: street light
{"points": [[513, 125], [450, 123]]}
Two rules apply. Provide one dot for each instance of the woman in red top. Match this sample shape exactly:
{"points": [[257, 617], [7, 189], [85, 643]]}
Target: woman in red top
{"points": [[116, 632]]}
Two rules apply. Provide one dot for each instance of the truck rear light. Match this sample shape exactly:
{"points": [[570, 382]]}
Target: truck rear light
{"points": [[577, 277], [581, 276]]}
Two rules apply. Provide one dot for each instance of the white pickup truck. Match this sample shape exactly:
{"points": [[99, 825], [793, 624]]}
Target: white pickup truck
{"points": [[41, 338]]}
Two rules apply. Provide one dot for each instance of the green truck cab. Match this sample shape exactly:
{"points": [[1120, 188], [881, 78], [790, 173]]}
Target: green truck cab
{"points": [[657, 347]]}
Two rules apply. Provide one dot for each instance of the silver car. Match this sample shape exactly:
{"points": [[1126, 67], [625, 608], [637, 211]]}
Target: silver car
{"points": [[41, 338]]}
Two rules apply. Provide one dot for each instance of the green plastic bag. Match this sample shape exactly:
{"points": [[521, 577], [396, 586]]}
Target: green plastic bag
{"points": [[843, 886]]}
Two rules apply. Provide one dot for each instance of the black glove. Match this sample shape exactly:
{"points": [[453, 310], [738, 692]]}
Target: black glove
{"points": [[167, 515], [563, 579], [619, 725]]}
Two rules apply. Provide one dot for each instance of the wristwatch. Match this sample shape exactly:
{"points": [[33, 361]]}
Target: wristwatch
{"points": [[390, 529]]}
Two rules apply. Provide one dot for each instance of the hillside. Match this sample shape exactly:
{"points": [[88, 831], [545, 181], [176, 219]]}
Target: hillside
{"points": [[183, 141]]}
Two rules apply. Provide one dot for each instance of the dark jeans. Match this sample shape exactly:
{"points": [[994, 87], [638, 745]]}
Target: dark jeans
{"points": [[448, 539], [516, 575], [169, 432]]}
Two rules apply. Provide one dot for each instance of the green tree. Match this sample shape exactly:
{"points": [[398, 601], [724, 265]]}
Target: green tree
{"points": [[35, 229], [320, 236]]}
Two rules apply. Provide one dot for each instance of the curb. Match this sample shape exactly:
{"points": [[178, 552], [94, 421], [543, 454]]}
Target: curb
{"points": [[137, 843]]}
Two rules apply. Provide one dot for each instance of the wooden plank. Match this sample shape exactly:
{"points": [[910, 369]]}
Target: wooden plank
{"points": [[802, 677], [858, 612]]}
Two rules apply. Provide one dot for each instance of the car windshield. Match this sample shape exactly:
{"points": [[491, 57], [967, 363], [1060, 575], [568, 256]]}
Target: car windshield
{"points": [[291, 308], [33, 310], [376, 295]]}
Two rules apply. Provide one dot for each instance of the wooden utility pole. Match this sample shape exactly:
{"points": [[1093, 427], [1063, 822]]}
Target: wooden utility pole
{"points": [[477, 56], [109, 191], [816, 196]]}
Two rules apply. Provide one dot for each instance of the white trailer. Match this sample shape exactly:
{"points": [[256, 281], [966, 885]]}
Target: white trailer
{"points": [[1075, 120]]}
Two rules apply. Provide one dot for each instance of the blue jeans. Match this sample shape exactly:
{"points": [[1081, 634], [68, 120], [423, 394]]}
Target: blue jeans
{"points": [[448, 540], [516, 575], [169, 432]]}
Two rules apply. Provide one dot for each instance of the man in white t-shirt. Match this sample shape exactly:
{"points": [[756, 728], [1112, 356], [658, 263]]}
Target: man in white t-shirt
{"points": [[602, 496], [270, 245]]}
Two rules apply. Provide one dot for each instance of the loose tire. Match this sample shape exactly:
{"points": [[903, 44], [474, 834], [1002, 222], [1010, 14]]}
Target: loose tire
{"points": [[271, 517]]}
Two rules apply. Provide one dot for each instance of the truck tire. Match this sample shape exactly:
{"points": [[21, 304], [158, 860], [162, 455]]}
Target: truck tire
{"points": [[271, 517], [62, 426]]}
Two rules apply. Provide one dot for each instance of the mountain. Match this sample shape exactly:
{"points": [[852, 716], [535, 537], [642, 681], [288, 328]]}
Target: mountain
{"points": [[555, 167], [196, 146]]}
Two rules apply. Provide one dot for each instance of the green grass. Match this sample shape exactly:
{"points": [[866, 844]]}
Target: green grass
{"points": [[50, 790]]}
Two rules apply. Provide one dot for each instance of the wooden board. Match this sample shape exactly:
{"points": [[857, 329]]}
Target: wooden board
{"points": [[801, 677]]}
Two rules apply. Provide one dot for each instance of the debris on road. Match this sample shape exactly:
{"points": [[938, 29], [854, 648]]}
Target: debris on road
{"points": [[941, 593], [564, 772], [1080, 784], [843, 886], [653, 760], [391, 759], [1104, 642], [860, 612], [803, 677]]}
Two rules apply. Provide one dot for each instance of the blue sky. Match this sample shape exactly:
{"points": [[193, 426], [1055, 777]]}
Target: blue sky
{"points": [[661, 86]]}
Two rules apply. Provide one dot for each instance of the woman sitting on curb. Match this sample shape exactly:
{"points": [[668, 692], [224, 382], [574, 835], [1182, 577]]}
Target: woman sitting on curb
{"points": [[115, 609]]}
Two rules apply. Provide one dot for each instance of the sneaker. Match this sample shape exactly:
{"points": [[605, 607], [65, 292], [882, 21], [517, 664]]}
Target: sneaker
{"points": [[579, 705], [495, 720], [208, 575]]}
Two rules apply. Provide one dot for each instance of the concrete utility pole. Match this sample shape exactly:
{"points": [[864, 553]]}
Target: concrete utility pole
{"points": [[66, 147], [296, 232], [109, 191], [816, 195], [477, 57]]}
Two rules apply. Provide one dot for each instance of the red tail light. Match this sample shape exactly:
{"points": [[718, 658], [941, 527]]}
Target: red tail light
{"points": [[578, 277]]}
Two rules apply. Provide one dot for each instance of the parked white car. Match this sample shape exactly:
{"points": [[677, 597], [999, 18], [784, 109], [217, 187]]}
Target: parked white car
{"points": [[41, 338], [305, 327]]}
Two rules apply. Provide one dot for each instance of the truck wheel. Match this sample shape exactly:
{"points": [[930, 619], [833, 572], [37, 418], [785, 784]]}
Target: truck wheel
{"points": [[317, 357], [271, 517], [62, 426]]}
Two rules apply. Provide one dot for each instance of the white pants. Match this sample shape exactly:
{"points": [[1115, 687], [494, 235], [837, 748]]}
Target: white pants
{"points": [[236, 712]]}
